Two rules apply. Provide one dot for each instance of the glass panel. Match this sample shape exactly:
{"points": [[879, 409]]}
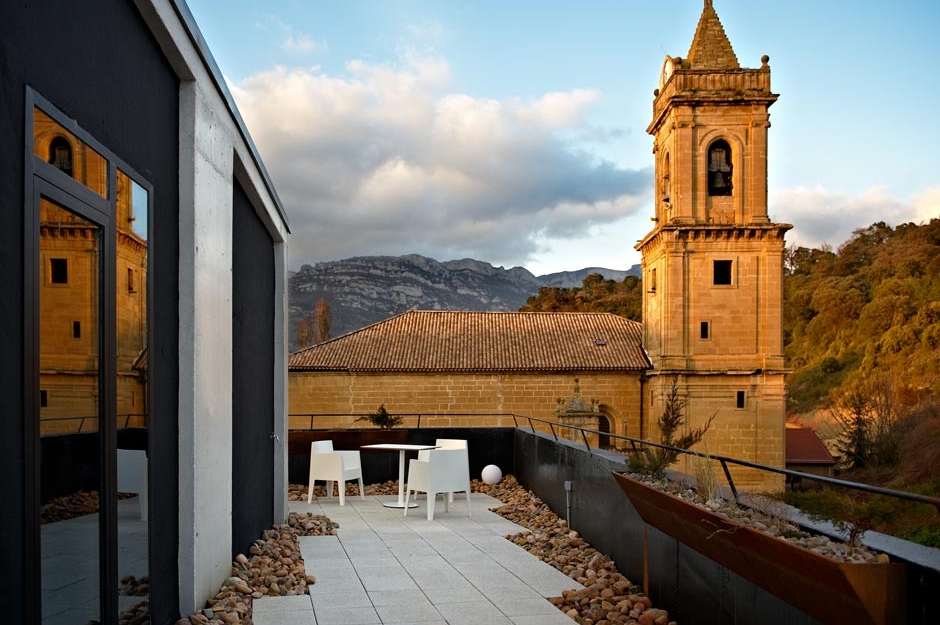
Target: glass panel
{"points": [[60, 148], [70, 445], [132, 409]]}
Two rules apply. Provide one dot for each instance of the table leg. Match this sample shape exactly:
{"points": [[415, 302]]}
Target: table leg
{"points": [[401, 478], [401, 484]]}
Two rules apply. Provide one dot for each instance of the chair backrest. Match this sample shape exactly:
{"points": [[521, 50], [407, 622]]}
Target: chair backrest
{"points": [[449, 469], [451, 443], [321, 447]]}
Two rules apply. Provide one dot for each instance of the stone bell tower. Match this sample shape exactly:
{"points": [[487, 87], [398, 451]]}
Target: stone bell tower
{"points": [[713, 262]]}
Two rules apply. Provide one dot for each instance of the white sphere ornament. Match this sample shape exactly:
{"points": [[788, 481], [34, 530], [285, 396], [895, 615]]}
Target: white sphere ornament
{"points": [[491, 474]]}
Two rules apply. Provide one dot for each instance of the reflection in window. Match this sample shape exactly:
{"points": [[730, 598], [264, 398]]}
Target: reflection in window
{"points": [[72, 369], [60, 154], [719, 168], [59, 270], [63, 150]]}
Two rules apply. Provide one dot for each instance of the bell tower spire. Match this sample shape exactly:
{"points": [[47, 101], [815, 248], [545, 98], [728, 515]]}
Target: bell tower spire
{"points": [[713, 262]]}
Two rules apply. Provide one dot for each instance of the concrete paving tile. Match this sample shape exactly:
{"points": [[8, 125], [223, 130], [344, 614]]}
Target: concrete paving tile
{"points": [[472, 613], [467, 594], [560, 618], [346, 615], [392, 597], [520, 603], [350, 598], [385, 578], [265, 605], [408, 613], [285, 618]]}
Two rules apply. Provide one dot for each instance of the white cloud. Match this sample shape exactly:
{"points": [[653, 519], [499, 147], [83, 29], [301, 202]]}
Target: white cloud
{"points": [[385, 160], [821, 216], [300, 44]]}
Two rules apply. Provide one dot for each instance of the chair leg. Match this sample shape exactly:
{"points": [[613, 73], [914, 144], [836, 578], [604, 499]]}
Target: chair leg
{"points": [[432, 497], [329, 489], [310, 492], [450, 497], [362, 490], [407, 500], [467, 495], [342, 492]]}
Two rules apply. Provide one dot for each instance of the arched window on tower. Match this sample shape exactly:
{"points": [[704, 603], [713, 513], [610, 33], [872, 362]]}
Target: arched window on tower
{"points": [[666, 180], [60, 154], [719, 168]]}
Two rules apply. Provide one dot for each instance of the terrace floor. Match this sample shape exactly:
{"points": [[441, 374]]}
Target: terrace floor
{"points": [[383, 567]]}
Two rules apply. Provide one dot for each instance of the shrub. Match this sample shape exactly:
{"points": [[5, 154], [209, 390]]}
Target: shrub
{"points": [[382, 419]]}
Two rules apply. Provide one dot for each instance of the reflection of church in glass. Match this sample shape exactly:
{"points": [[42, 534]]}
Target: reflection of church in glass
{"points": [[71, 287]]}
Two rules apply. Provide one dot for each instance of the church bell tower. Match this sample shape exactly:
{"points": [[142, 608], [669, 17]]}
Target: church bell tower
{"points": [[713, 262]]}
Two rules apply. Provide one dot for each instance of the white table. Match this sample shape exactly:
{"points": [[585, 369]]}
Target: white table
{"points": [[402, 448]]}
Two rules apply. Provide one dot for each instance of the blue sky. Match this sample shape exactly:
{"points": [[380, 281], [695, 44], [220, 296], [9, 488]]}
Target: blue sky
{"points": [[514, 132]]}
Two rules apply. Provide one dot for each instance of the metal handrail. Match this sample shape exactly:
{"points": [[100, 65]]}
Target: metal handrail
{"points": [[725, 460]]}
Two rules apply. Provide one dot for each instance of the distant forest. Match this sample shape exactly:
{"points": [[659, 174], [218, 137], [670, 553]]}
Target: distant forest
{"points": [[868, 312]]}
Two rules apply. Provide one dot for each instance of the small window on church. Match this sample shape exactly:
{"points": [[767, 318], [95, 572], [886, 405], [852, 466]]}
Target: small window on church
{"points": [[703, 330], [740, 399], [722, 272], [652, 288], [719, 168]]}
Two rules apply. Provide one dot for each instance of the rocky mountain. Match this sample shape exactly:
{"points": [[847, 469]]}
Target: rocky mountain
{"points": [[366, 289]]}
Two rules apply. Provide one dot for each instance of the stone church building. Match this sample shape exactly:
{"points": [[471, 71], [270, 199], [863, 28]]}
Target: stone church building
{"points": [[712, 305]]}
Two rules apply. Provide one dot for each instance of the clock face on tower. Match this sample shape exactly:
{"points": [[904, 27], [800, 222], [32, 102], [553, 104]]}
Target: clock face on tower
{"points": [[666, 74]]}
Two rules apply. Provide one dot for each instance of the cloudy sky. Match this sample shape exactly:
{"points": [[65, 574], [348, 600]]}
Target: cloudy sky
{"points": [[514, 131]]}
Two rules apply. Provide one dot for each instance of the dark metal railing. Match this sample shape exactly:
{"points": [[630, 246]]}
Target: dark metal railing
{"points": [[92, 418], [353, 417], [636, 444]]}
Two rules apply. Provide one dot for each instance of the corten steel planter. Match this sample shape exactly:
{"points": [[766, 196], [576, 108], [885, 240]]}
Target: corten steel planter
{"points": [[827, 590]]}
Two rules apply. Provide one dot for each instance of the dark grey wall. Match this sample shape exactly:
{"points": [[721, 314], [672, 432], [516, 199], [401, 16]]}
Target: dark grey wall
{"points": [[252, 368], [692, 587], [97, 61], [484, 446]]}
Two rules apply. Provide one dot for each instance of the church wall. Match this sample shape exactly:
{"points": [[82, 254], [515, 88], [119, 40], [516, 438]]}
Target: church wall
{"points": [[753, 432], [534, 395]]}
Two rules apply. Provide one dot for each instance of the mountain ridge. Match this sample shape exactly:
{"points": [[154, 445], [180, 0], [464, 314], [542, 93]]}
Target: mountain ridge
{"points": [[365, 289]]}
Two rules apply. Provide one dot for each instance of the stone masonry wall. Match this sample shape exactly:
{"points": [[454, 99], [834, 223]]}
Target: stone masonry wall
{"points": [[536, 395]]}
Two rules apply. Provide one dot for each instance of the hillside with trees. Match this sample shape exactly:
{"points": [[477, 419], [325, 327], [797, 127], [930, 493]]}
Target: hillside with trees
{"points": [[866, 313], [596, 294]]}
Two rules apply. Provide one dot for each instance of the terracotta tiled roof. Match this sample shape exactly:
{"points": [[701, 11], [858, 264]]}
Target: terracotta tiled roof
{"points": [[427, 341], [711, 49], [804, 447]]}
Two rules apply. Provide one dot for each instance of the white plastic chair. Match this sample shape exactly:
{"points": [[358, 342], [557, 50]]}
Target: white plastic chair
{"points": [[446, 443], [334, 466], [132, 476], [444, 471]]}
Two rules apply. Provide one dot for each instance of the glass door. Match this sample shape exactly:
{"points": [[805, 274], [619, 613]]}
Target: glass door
{"points": [[70, 411], [88, 324]]}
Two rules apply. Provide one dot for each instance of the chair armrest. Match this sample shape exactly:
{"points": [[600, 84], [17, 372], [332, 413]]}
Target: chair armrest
{"points": [[419, 475], [327, 464], [350, 459]]}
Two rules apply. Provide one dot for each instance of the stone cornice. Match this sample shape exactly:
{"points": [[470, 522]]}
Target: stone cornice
{"points": [[699, 87], [709, 232]]}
